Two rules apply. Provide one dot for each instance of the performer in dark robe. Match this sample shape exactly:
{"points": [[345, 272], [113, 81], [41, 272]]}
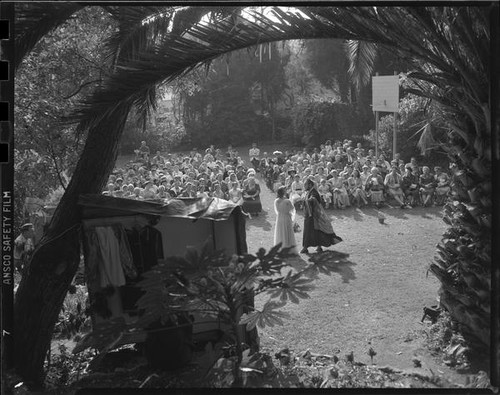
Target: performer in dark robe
{"points": [[318, 230]]}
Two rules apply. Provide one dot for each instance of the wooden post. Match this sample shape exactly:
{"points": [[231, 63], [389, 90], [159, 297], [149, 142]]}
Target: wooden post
{"points": [[376, 130], [394, 138]]}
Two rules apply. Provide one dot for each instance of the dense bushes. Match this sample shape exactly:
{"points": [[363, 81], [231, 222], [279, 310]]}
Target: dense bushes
{"points": [[313, 123], [159, 137]]}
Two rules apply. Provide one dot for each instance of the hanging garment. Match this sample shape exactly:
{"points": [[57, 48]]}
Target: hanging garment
{"points": [[146, 247], [134, 241], [93, 258], [152, 246], [110, 271], [126, 259]]}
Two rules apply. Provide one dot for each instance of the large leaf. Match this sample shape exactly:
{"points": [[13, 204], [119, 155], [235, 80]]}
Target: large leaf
{"points": [[268, 316]]}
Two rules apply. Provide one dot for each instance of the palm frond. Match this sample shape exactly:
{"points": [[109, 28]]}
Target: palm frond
{"points": [[139, 26], [361, 57], [426, 142]]}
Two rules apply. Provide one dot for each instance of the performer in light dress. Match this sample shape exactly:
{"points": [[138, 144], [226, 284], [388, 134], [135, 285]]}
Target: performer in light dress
{"points": [[285, 215]]}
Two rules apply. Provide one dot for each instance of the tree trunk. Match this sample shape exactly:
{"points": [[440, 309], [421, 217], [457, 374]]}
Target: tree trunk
{"points": [[43, 288], [273, 120]]}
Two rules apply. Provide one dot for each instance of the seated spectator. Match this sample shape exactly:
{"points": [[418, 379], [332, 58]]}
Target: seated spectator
{"points": [[158, 159], [232, 178], [375, 186], [137, 194], [340, 196], [110, 191], [297, 191], [251, 197], [162, 193], [143, 151], [393, 184], [442, 185], [356, 188], [325, 193], [254, 154], [189, 191], [410, 186], [218, 192], [235, 194], [176, 189], [427, 186], [149, 191]]}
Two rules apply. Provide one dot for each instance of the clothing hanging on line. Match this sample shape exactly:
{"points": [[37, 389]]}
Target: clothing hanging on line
{"points": [[109, 258]]}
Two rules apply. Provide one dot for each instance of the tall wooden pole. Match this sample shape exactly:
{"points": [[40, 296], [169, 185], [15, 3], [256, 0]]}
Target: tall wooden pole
{"points": [[394, 138], [376, 130]]}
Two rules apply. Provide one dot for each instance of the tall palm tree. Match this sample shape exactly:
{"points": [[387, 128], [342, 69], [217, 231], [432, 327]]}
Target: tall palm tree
{"points": [[449, 48]]}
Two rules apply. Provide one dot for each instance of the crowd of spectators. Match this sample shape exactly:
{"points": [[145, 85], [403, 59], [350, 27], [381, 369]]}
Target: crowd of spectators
{"points": [[211, 173], [344, 175], [347, 175]]}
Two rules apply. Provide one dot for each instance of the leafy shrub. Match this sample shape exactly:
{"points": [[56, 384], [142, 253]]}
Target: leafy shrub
{"points": [[64, 368], [315, 122], [73, 316], [217, 286]]}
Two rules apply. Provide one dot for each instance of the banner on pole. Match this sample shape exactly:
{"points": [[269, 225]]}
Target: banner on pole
{"points": [[385, 93]]}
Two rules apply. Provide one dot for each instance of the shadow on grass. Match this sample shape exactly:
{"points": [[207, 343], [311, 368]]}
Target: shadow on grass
{"points": [[351, 212], [328, 262], [260, 221]]}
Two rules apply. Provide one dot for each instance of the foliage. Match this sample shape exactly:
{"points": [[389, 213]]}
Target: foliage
{"points": [[215, 285], [165, 134], [73, 318], [61, 69], [316, 122], [328, 61], [64, 368], [235, 101], [33, 179], [415, 114]]}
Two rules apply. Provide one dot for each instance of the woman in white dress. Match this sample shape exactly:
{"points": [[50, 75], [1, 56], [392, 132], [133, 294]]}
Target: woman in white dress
{"points": [[285, 214]]}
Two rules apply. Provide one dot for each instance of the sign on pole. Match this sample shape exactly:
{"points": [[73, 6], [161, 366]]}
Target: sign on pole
{"points": [[385, 98], [385, 93]]}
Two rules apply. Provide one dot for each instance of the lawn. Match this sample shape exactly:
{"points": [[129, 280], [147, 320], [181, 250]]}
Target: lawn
{"points": [[374, 298]]}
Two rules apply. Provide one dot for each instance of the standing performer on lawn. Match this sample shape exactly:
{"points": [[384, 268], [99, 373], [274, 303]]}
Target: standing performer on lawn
{"points": [[254, 154], [318, 230]]}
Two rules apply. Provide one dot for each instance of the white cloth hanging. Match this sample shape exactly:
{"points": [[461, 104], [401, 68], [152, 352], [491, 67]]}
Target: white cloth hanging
{"points": [[111, 272]]}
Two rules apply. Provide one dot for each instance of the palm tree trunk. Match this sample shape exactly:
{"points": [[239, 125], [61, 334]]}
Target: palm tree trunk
{"points": [[43, 288]]}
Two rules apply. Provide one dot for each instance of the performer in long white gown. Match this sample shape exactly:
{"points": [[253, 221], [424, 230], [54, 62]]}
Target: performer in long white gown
{"points": [[285, 214]]}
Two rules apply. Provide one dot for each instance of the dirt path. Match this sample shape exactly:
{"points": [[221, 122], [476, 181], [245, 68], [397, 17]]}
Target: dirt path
{"points": [[375, 298]]}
